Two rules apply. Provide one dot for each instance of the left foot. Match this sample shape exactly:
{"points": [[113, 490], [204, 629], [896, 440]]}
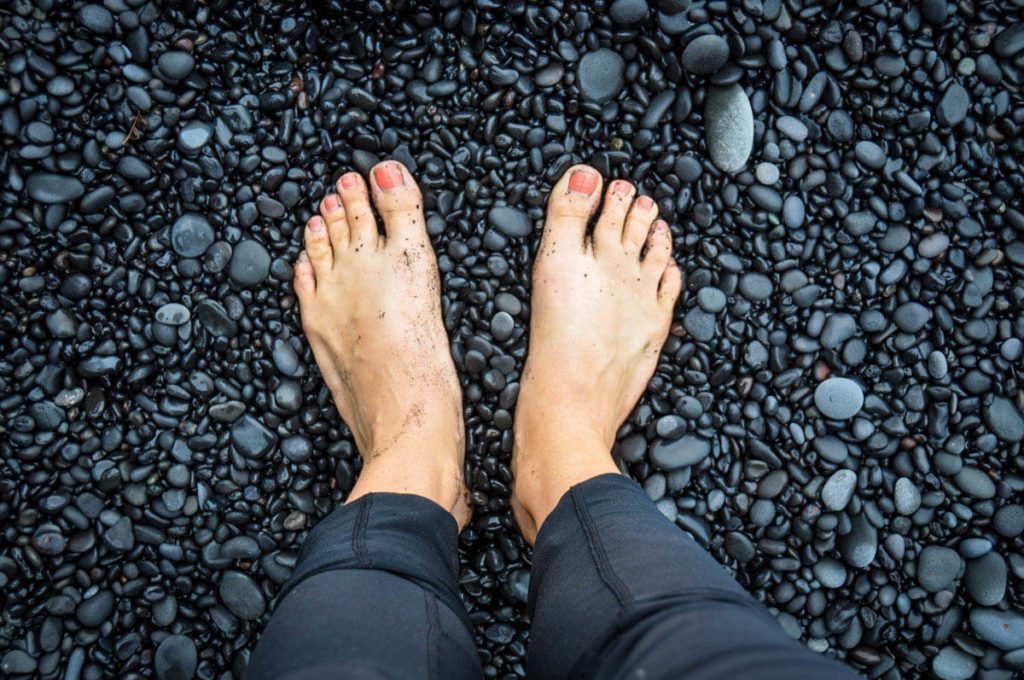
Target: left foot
{"points": [[371, 309]]}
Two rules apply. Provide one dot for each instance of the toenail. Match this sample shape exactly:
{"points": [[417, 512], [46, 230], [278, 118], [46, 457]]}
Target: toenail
{"points": [[348, 180], [621, 187], [583, 182], [316, 224], [331, 202], [644, 203], [388, 177]]}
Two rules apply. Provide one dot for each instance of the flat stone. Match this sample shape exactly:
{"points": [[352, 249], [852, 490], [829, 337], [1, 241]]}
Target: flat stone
{"points": [[176, 65], [251, 438], [627, 12], [50, 188], [728, 127], [173, 314], [700, 325], [952, 663], [176, 658], [1002, 629], [1010, 41], [684, 452], [755, 286], [839, 398], [194, 136], [910, 317], [215, 319], [907, 496]]}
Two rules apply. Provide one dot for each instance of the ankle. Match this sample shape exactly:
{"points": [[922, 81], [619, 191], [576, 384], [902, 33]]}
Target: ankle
{"points": [[546, 463]]}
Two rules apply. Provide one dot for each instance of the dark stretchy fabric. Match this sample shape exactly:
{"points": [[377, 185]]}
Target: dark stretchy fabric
{"points": [[617, 591]]}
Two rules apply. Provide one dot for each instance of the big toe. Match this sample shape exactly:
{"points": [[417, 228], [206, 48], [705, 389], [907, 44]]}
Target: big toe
{"points": [[570, 206], [399, 200]]}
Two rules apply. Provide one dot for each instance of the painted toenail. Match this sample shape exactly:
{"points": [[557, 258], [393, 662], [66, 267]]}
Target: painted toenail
{"points": [[621, 187], [388, 177], [583, 182], [348, 180], [316, 224], [644, 203], [331, 202]]}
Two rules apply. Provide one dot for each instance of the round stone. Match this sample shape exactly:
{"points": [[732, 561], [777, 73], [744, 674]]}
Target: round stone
{"points": [[242, 596], [191, 235], [176, 658], [250, 263], [705, 55], [838, 490], [839, 398], [601, 75], [510, 221]]}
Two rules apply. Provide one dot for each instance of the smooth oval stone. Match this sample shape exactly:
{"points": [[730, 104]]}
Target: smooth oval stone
{"points": [[510, 221], [175, 658], [628, 12], [1005, 420], [839, 398], [906, 496], [194, 136], [173, 314], [952, 663], [601, 75], [910, 317], [705, 55], [191, 235], [838, 490], [728, 127], [985, 579], [96, 18], [176, 65], [937, 567], [1002, 629], [242, 596], [50, 188], [250, 263], [952, 108], [830, 572], [684, 452], [755, 286], [860, 545]]}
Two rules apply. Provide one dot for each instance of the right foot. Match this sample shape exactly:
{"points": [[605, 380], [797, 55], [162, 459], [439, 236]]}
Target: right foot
{"points": [[601, 310], [371, 309]]}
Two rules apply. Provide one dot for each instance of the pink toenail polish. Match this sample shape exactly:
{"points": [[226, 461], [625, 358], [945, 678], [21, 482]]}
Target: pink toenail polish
{"points": [[644, 203], [583, 182], [316, 224], [388, 177], [621, 188], [348, 181], [331, 202]]}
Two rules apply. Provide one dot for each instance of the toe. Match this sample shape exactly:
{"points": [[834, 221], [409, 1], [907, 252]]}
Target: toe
{"points": [[333, 213], [398, 200], [618, 198], [572, 202], [304, 280], [356, 201], [670, 285], [658, 250], [318, 245], [638, 224]]}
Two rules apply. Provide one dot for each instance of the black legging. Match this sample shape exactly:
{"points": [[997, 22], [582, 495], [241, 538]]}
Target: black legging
{"points": [[617, 591]]}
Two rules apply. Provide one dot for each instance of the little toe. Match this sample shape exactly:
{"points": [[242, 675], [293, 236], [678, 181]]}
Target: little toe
{"points": [[333, 213], [618, 198], [570, 206], [658, 250], [318, 245], [356, 201], [398, 200], [638, 224], [670, 285], [303, 279]]}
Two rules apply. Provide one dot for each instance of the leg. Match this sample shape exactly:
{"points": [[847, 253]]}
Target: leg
{"points": [[617, 589], [375, 592]]}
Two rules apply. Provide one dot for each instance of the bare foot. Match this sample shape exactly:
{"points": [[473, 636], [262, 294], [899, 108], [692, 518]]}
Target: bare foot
{"points": [[602, 307], [371, 309]]}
